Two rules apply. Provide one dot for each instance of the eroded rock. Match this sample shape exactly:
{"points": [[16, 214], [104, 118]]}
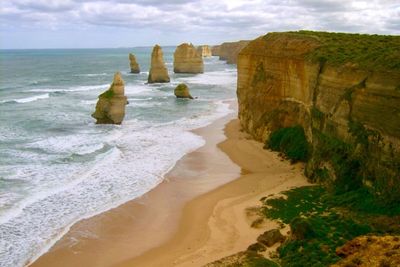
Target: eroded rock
{"points": [[110, 108], [187, 60], [158, 71]]}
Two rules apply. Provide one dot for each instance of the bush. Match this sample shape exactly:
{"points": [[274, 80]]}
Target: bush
{"points": [[291, 141]]}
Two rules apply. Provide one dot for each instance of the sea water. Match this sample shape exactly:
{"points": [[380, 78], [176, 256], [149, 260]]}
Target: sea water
{"points": [[57, 166]]}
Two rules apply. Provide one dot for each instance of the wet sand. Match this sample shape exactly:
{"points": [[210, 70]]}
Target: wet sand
{"points": [[195, 216]]}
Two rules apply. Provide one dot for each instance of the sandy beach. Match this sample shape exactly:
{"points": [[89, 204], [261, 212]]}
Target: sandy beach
{"points": [[195, 216]]}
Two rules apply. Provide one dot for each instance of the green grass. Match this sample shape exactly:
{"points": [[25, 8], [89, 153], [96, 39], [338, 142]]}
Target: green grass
{"points": [[369, 52], [332, 219], [291, 141]]}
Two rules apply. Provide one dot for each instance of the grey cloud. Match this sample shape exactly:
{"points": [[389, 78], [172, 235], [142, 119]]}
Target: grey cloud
{"points": [[233, 17]]}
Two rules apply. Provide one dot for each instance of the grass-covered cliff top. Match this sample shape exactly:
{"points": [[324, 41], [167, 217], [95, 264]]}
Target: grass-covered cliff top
{"points": [[368, 52]]}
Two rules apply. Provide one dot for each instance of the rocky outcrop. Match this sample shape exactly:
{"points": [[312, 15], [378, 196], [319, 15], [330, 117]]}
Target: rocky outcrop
{"points": [[365, 251], [158, 72], [187, 60], [229, 51], [204, 50], [215, 50], [182, 91], [134, 65], [110, 108], [349, 110], [271, 237]]}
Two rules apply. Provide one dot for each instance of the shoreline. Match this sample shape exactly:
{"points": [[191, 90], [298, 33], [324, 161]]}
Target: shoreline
{"points": [[96, 232], [215, 225], [176, 223]]}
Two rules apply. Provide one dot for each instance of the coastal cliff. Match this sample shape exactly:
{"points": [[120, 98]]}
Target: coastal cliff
{"points": [[342, 89], [229, 51]]}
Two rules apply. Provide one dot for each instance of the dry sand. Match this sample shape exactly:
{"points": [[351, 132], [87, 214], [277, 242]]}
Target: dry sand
{"points": [[197, 215]]}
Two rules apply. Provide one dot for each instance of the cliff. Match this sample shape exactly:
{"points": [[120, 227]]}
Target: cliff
{"points": [[133, 64], [110, 108], [215, 50], [343, 89], [187, 60], [229, 51], [158, 71], [204, 50]]}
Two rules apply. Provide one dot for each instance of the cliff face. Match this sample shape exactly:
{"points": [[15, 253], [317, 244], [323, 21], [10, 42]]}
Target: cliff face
{"points": [[346, 107], [187, 59], [158, 71], [229, 51], [110, 108], [204, 50]]}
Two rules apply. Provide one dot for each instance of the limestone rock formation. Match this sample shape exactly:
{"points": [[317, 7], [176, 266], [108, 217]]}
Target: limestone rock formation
{"points": [[347, 107], [215, 50], [204, 50], [134, 65], [229, 51], [110, 108], [182, 91], [365, 251], [187, 60], [158, 72]]}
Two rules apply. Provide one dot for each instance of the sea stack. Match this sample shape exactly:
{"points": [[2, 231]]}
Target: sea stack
{"points": [[182, 91], [110, 108], [187, 60], [158, 72], [134, 65], [204, 50]]}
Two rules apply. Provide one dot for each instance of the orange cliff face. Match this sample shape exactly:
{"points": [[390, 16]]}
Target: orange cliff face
{"points": [[229, 51], [279, 86]]}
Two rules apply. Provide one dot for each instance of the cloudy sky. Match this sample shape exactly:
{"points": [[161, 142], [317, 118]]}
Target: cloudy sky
{"points": [[127, 23]]}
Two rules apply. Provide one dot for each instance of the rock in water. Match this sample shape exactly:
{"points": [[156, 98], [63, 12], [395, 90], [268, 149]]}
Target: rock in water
{"points": [[158, 72], [187, 60], [204, 50], [182, 91], [134, 65], [110, 108]]}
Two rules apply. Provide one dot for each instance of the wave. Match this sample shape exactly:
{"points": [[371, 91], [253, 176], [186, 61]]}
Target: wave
{"points": [[26, 99], [72, 89], [92, 74]]}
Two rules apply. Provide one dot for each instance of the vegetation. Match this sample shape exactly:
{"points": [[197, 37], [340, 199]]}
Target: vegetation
{"points": [[320, 222], [291, 141], [107, 94], [369, 52]]}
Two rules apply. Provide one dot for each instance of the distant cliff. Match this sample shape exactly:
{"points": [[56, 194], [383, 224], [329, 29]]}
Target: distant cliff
{"points": [[343, 89], [229, 51]]}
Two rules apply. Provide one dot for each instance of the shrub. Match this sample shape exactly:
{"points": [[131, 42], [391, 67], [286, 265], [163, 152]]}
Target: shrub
{"points": [[291, 141]]}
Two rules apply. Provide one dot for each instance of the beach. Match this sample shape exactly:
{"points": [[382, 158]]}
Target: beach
{"points": [[195, 216]]}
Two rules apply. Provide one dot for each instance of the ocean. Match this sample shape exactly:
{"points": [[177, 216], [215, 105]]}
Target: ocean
{"points": [[58, 167]]}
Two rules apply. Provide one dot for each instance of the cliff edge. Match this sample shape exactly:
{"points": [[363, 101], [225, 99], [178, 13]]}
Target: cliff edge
{"points": [[342, 89]]}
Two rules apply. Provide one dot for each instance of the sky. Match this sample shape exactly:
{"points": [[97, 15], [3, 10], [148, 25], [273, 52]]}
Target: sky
{"points": [[129, 23]]}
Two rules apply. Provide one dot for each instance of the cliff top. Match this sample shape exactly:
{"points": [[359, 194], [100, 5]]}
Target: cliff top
{"points": [[368, 52]]}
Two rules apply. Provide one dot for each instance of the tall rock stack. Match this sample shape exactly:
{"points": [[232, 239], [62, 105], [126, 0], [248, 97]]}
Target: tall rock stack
{"points": [[204, 50], [187, 60], [134, 65], [158, 72], [110, 108]]}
